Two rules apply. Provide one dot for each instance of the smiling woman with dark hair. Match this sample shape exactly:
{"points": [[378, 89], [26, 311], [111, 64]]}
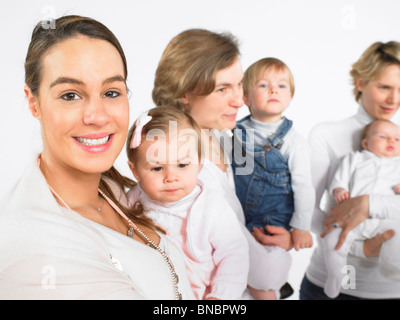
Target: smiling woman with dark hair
{"points": [[65, 229]]}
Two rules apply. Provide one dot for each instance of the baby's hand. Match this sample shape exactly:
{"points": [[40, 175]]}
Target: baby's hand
{"points": [[301, 239], [340, 195], [397, 189]]}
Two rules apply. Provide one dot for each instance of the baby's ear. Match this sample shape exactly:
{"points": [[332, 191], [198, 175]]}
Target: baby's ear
{"points": [[364, 144], [133, 169]]}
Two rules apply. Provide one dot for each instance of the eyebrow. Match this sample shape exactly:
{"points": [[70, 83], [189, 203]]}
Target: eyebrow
{"points": [[223, 84], [379, 83], [61, 80]]}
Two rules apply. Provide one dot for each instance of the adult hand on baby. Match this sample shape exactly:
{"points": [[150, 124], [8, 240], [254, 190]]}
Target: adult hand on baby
{"points": [[279, 237], [347, 215]]}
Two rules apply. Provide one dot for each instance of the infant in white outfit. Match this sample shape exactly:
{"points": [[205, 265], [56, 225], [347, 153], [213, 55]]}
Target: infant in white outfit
{"points": [[376, 169]]}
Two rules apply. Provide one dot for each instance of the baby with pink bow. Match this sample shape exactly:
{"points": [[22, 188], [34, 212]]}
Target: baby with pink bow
{"points": [[164, 152]]}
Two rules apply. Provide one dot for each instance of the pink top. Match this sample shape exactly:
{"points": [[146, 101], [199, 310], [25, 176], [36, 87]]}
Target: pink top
{"points": [[209, 234]]}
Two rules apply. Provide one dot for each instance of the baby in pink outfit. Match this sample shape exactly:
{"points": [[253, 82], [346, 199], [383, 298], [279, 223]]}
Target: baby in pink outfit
{"points": [[164, 152]]}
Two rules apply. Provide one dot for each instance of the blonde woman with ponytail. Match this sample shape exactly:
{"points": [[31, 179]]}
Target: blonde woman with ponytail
{"points": [[376, 87]]}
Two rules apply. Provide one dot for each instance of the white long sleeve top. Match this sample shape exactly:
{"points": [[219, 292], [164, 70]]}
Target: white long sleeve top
{"points": [[365, 173], [329, 143], [269, 269], [205, 227], [50, 252]]}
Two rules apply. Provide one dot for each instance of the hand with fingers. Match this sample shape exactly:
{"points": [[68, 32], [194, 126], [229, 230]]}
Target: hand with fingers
{"points": [[340, 195], [279, 237], [347, 215], [301, 239]]}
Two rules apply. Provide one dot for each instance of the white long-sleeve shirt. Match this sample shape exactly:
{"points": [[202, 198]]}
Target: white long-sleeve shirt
{"points": [[363, 172], [329, 143], [205, 227], [269, 268], [50, 252]]}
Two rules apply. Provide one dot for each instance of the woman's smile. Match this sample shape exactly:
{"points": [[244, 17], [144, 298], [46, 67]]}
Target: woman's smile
{"points": [[93, 144]]}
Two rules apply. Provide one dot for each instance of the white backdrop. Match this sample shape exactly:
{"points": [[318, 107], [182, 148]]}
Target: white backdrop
{"points": [[318, 39]]}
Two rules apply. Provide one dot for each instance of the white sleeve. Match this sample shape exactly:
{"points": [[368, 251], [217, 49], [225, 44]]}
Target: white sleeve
{"points": [[320, 165], [303, 191], [341, 179], [269, 266], [230, 255]]}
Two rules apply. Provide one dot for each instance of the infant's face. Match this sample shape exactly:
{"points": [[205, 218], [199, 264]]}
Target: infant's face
{"points": [[384, 140], [167, 168]]}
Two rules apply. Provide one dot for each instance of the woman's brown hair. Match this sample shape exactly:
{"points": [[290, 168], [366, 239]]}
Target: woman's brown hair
{"points": [[189, 65], [43, 39]]}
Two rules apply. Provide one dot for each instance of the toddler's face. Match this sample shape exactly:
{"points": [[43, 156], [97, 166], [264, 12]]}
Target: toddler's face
{"points": [[270, 95], [167, 168], [383, 140]]}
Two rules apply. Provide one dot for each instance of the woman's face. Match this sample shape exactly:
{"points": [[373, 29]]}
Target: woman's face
{"points": [[82, 105], [218, 110], [381, 97]]}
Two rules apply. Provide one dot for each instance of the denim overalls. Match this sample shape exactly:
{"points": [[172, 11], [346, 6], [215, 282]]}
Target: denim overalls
{"points": [[266, 192]]}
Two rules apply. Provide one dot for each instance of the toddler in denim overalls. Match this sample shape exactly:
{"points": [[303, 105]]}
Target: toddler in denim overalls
{"points": [[270, 160], [269, 179]]}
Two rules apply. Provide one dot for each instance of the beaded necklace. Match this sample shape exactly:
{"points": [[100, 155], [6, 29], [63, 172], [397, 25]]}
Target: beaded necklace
{"points": [[174, 275]]}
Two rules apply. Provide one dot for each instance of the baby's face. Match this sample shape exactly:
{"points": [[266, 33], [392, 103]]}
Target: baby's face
{"points": [[383, 140], [270, 95], [167, 168]]}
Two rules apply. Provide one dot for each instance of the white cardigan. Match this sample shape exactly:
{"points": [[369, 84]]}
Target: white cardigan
{"points": [[49, 252], [204, 226]]}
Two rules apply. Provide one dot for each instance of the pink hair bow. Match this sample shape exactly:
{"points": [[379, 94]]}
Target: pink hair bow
{"points": [[137, 134]]}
